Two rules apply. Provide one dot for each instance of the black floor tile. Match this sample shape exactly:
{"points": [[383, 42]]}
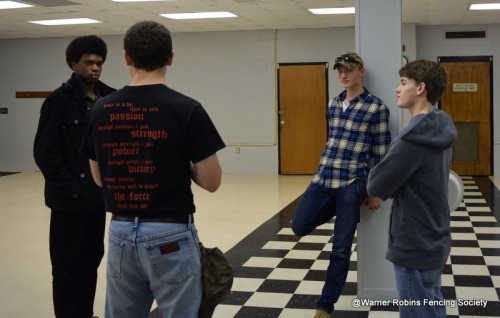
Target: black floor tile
{"points": [[491, 251], [296, 263], [464, 243], [492, 309], [279, 286], [237, 298], [462, 229], [473, 281], [302, 301], [309, 246], [467, 260], [494, 270], [485, 224], [448, 292], [350, 288], [252, 272], [486, 237], [315, 275]]}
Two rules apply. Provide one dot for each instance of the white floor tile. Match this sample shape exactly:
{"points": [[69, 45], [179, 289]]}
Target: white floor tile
{"points": [[269, 300], [309, 287], [466, 251], [296, 313], [246, 284], [303, 254], [476, 293], [472, 270], [274, 245], [288, 274], [315, 239], [269, 262]]}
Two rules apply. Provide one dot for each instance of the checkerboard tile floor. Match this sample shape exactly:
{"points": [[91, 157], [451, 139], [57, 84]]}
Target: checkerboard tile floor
{"points": [[281, 275]]}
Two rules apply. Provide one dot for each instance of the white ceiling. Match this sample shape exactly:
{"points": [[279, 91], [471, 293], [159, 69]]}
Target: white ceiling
{"points": [[252, 15]]}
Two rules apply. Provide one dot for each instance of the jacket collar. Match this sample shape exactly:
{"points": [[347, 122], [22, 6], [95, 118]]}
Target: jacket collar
{"points": [[74, 85]]}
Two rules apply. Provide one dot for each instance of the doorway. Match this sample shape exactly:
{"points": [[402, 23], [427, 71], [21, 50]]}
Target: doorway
{"points": [[468, 101], [302, 104]]}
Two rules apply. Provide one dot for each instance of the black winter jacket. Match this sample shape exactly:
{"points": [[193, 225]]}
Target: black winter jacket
{"points": [[56, 150]]}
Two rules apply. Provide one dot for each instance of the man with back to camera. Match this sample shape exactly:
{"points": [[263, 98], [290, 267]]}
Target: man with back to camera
{"points": [[146, 142], [77, 208], [358, 133], [415, 172]]}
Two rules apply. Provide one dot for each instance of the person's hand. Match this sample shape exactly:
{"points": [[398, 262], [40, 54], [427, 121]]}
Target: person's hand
{"points": [[373, 203]]}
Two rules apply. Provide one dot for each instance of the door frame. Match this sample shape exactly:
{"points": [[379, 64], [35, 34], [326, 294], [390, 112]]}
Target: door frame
{"points": [[327, 65], [488, 58]]}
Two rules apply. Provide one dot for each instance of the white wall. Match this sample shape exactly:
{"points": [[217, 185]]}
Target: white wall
{"points": [[432, 43], [232, 74]]}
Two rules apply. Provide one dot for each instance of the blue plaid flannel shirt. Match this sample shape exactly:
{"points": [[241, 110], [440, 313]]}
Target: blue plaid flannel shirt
{"points": [[355, 137]]}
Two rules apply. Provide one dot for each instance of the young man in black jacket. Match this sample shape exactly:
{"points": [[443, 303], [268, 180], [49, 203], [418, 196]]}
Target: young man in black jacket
{"points": [[77, 208]]}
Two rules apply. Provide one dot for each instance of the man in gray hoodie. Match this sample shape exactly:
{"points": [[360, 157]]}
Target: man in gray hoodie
{"points": [[415, 173]]}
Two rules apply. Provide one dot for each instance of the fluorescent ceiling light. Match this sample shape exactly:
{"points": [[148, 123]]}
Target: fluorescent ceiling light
{"points": [[347, 10], [65, 21], [485, 6], [138, 0], [199, 15], [13, 5]]}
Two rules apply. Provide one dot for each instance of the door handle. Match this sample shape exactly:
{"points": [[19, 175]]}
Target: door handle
{"points": [[282, 122]]}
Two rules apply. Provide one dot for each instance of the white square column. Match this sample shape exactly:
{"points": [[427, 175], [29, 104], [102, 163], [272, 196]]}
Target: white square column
{"points": [[378, 41]]}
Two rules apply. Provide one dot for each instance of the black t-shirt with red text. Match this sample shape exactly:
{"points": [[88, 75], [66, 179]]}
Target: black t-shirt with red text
{"points": [[144, 138]]}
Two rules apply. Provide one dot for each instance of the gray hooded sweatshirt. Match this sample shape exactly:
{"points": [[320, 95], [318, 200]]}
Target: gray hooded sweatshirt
{"points": [[415, 173]]}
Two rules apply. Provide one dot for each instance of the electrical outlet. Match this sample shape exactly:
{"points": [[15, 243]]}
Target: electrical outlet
{"points": [[237, 151]]}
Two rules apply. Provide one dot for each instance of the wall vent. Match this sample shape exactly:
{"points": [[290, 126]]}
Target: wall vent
{"points": [[466, 35]]}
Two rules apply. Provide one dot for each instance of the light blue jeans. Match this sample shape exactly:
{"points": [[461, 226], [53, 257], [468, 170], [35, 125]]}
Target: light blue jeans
{"points": [[153, 261], [317, 206], [419, 287]]}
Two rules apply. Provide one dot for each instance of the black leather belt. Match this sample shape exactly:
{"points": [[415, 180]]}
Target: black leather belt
{"points": [[184, 219]]}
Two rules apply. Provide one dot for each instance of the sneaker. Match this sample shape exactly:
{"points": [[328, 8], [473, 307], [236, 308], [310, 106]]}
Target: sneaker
{"points": [[321, 314]]}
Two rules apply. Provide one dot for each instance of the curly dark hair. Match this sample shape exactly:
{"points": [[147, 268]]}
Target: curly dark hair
{"points": [[148, 44], [431, 73], [88, 44]]}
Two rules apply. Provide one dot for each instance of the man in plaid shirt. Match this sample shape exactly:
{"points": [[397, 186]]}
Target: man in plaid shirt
{"points": [[358, 133]]}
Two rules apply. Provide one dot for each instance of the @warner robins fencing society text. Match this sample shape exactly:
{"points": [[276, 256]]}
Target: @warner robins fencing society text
{"points": [[358, 302]]}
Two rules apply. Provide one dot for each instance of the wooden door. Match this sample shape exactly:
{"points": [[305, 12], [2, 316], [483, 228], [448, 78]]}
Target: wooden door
{"points": [[467, 101], [303, 96]]}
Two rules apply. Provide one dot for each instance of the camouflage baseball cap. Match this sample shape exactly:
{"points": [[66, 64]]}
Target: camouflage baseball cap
{"points": [[348, 60]]}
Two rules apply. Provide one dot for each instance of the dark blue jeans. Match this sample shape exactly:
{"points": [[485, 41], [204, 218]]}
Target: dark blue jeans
{"points": [[317, 206]]}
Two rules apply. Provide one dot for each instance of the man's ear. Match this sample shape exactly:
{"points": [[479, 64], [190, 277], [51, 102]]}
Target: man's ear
{"points": [[170, 59], [128, 61], [421, 88], [362, 70]]}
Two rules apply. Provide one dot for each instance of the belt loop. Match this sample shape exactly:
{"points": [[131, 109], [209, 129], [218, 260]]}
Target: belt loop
{"points": [[136, 222]]}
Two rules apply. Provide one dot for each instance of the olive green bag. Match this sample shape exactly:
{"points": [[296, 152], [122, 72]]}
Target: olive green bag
{"points": [[217, 275]]}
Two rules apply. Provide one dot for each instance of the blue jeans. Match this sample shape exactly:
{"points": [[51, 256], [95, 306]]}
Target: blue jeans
{"points": [[317, 206], [153, 261], [418, 287]]}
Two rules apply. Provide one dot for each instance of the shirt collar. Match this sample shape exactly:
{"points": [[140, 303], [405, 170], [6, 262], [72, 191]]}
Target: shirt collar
{"points": [[361, 97]]}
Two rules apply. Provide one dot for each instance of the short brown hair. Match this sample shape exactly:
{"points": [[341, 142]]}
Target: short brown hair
{"points": [[432, 74], [148, 44]]}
